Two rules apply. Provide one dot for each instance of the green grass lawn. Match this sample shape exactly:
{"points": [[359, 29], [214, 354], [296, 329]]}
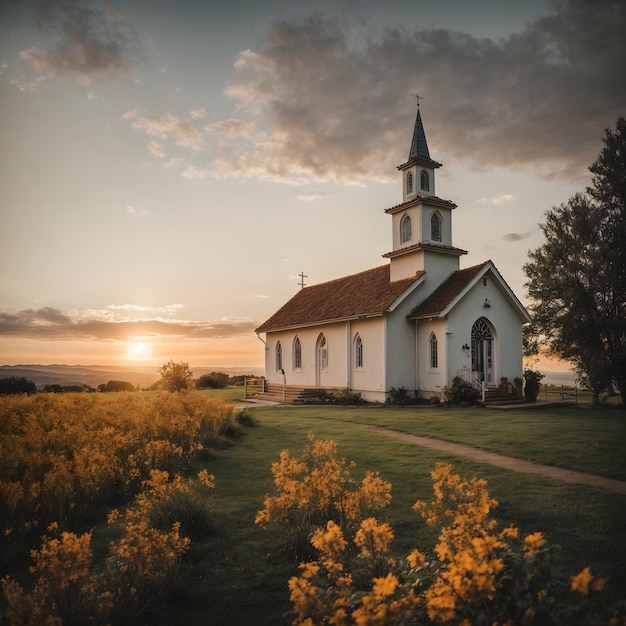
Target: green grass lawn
{"points": [[238, 575], [586, 440], [231, 393]]}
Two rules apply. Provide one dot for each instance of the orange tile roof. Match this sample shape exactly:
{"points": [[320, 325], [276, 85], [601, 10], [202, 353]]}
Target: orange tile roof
{"points": [[446, 292], [364, 294]]}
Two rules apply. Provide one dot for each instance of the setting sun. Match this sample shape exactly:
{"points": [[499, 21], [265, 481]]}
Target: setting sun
{"points": [[138, 350]]}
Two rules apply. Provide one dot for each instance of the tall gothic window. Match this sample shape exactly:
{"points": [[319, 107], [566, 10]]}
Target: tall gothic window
{"points": [[358, 352], [434, 357], [424, 181], [405, 228], [323, 352], [279, 357], [435, 227], [297, 354], [409, 183]]}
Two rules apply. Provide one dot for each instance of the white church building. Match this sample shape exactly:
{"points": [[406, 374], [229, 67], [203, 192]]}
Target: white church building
{"points": [[415, 322]]}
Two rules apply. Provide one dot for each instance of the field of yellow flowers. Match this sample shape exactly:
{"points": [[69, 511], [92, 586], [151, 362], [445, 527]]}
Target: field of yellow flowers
{"points": [[70, 461]]}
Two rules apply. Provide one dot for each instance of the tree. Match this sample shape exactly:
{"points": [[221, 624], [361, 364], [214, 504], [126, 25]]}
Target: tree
{"points": [[16, 385], [176, 376], [577, 278], [116, 385], [214, 380]]}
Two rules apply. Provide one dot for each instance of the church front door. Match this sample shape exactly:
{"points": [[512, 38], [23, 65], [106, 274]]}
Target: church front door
{"points": [[482, 351]]}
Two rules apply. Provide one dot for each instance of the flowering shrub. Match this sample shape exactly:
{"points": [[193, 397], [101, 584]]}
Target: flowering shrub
{"points": [[316, 488], [56, 475], [64, 456], [476, 574], [70, 588]]}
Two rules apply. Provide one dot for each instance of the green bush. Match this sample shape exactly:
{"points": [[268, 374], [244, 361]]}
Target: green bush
{"points": [[532, 384], [400, 396], [462, 392], [243, 418]]}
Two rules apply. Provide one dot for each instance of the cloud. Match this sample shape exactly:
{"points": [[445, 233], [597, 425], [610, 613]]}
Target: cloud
{"points": [[89, 43], [131, 210], [52, 324], [309, 197], [501, 199], [139, 308], [333, 96], [516, 236], [196, 173], [229, 128], [167, 127], [156, 149], [27, 84]]}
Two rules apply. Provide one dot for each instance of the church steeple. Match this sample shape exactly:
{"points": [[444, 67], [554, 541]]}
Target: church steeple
{"points": [[419, 146], [422, 223], [418, 172]]}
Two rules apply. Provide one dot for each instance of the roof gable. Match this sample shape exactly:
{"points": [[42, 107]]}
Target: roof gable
{"points": [[452, 290], [446, 293], [368, 293]]}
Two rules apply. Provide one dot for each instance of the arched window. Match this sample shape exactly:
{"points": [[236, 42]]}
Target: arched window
{"points": [[323, 352], [409, 183], [435, 227], [358, 352], [424, 181], [279, 357], [434, 359], [297, 354], [405, 228]]}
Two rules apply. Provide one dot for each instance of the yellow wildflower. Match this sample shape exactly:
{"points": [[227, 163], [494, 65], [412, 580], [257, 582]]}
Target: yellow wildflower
{"points": [[330, 541], [532, 543], [510, 531], [208, 480], [585, 580], [309, 570], [415, 557], [385, 586], [581, 581]]}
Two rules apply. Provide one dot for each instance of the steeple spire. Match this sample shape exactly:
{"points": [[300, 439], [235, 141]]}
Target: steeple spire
{"points": [[419, 146]]}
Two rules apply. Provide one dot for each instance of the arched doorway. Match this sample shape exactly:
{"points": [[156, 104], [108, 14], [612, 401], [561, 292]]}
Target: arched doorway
{"points": [[483, 351], [321, 358]]}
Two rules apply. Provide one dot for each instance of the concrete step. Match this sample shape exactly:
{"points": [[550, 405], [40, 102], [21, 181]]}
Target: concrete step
{"points": [[291, 394]]}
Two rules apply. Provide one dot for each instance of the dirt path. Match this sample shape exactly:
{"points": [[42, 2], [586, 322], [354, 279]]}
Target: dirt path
{"points": [[517, 465]]}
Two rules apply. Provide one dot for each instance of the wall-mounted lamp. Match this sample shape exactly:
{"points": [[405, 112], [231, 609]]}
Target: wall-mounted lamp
{"points": [[487, 304], [465, 347]]}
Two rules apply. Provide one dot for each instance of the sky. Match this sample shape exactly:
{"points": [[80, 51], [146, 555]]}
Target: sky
{"points": [[168, 169]]}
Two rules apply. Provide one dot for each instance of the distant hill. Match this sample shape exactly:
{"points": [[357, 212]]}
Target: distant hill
{"points": [[94, 375]]}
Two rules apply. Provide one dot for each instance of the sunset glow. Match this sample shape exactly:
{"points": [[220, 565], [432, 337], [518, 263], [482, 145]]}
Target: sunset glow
{"points": [[138, 350], [160, 201]]}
